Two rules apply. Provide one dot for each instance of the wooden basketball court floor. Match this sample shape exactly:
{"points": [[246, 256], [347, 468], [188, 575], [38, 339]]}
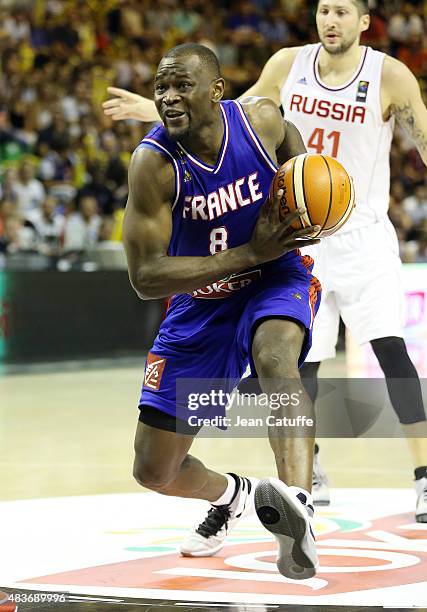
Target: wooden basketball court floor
{"points": [[73, 521]]}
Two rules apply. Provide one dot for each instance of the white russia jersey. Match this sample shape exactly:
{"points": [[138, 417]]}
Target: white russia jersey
{"points": [[345, 122]]}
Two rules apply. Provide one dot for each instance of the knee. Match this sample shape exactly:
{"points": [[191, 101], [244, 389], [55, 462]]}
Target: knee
{"points": [[276, 349], [154, 475], [393, 357], [271, 363], [390, 347]]}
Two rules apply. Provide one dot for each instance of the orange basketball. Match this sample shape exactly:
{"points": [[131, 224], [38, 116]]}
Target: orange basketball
{"points": [[321, 186]]}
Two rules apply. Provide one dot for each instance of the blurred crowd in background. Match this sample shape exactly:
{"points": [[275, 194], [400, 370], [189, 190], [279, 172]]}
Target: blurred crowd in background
{"points": [[63, 164]]}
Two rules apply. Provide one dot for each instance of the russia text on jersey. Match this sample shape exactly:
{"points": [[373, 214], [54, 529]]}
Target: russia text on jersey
{"points": [[340, 111]]}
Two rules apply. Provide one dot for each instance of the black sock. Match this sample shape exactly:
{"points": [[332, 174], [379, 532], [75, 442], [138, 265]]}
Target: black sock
{"points": [[316, 449], [420, 472]]}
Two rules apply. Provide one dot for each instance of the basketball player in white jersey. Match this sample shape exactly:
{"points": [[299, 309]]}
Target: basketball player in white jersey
{"points": [[344, 99]]}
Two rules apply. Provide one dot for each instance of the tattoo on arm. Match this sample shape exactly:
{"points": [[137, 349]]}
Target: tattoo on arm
{"points": [[405, 115]]}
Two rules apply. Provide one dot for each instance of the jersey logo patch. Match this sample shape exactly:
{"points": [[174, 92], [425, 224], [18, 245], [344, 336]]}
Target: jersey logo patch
{"points": [[226, 287], [302, 81], [154, 371], [362, 91]]}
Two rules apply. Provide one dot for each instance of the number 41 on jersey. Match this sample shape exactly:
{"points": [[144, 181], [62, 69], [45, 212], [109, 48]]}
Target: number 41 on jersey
{"points": [[319, 141]]}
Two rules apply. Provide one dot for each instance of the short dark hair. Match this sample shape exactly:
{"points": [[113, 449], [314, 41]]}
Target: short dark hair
{"points": [[206, 56], [361, 5]]}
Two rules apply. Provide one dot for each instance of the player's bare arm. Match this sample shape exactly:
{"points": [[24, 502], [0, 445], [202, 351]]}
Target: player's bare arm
{"points": [[280, 137], [273, 75], [401, 97], [147, 231], [127, 105]]}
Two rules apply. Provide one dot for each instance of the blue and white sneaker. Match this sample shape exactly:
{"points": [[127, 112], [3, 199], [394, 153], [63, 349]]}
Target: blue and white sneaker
{"points": [[287, 513], [209, 537]]}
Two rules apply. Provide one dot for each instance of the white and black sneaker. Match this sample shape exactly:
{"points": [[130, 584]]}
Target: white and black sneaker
{"points": [[209, 537], [320, 486], [421, 491], [286, 512]]}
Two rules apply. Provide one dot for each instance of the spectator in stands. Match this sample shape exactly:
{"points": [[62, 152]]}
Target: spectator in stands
{"points": [[12, 148], [81, 229], [98, 188], [274, 29], [244, 19], [376, 36], [48, 223], [29, 191], [400, 218], [414, 54], [6, 185], [18, 237], [416, 205], [404, 24], [185, 19], [105, 235]]}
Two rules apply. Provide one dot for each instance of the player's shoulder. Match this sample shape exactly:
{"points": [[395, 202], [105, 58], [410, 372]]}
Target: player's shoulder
{"points": [[393, 72], [256, 105], [156, 149], [285, 56], [149, 164], [264, 116], [149, 155]]}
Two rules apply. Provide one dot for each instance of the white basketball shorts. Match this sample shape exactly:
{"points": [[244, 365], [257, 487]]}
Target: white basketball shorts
{"points": [[360, 272]]}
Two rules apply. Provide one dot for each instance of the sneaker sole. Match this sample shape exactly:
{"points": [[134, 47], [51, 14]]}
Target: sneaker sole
{"points": [[321, 502], [283, 515], [202, 553], [321, 495]]}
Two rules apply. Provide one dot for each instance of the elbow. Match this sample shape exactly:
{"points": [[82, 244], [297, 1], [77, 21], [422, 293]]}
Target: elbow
{"points": [[146, 294], [146, 286], [143, 295]]}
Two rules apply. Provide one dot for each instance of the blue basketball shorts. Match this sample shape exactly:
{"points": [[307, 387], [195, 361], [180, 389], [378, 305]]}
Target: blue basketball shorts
{"points": [[208, 335]]}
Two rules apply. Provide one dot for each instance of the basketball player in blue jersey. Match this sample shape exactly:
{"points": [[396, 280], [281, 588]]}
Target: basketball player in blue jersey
{"points": [[198, 226], [344, 98]]}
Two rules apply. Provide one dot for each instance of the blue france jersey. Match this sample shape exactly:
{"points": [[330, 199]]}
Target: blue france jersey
{"points": [[216, 207]]}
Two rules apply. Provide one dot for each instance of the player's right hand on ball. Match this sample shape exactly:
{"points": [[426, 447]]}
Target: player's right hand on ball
{"points": [[272, 237]]}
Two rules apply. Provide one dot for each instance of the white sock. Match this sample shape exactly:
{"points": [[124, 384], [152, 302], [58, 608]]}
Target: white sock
{"points": [[227, 496]]}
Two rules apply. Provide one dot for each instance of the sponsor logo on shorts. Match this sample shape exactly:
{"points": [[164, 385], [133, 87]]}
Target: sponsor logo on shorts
{"points": [[226, 287], [154, 371], [297, 296]]}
